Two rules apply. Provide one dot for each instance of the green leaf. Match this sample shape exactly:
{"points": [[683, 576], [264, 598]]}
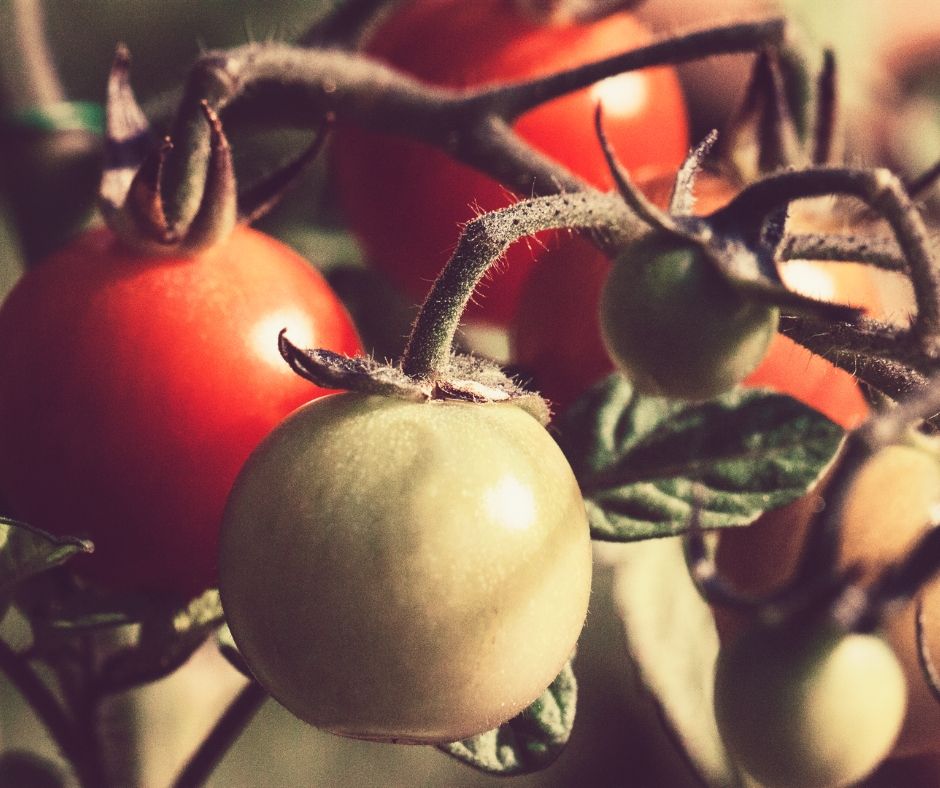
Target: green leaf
{"points": [[673, 643], [26, 551], [168, 638], [643, 461], [531, 740]]}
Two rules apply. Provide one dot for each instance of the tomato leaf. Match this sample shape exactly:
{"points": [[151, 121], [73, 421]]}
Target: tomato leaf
{"points": [[531, 740], [673, 643], [168, 638], [643, 461], [26, 551]]}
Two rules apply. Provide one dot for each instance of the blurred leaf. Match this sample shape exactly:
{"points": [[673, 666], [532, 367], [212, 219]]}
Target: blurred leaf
{"points": [[531, 740], [642, 460], [27, 551], [226, 644], [168, 638], [673, 643], [20, 769]]}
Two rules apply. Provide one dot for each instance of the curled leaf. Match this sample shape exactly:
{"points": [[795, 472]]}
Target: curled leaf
{"points": [[531, 740]]}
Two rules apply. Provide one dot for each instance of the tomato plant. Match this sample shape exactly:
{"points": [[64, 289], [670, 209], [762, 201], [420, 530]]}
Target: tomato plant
{"points": [[407, 571], [891, 502], [802, 704], [556, 334], [135, 387], [406, 201]]}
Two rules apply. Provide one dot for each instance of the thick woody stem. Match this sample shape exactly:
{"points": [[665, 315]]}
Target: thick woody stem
{"points": [[296, 87]]}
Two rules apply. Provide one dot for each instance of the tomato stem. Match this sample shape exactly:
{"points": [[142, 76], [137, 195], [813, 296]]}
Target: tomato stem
{"points": [[295, 86], [226, 730], [883, 192], [481, 245]]}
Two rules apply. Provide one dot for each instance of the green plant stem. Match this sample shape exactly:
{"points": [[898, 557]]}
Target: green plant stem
{"points": [[226, 730], [64, 731], [482, 243]]}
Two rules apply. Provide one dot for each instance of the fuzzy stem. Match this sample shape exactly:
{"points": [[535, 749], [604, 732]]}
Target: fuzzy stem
{"points": [[295, 86], [226, 730], [482, 243], [879, 252], [883, 192]]}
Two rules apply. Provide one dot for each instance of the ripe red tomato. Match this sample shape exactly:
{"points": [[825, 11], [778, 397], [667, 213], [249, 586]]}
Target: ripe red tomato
{"points": [[134, 388], [406, 201], [556, 335]]}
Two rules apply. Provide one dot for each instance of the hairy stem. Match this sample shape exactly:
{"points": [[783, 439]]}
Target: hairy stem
{"points": [[884, 193], [296, 86], [482, 243]]}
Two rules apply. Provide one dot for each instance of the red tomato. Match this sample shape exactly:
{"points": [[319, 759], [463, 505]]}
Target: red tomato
{"points": [[556, 337], [406, 202], [134, 388]]}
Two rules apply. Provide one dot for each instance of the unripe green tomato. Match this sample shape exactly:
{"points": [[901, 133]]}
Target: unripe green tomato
{"points": [[675, 327], [406, 571], [817, 707]]}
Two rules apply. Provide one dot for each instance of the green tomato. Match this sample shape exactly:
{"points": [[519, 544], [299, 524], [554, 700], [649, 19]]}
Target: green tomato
{"points": [[406, 571], [675, 327], [818, 708]]}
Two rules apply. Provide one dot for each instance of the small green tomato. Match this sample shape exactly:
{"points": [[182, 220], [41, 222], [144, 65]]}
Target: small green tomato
{"points": [[675, 327], [817, 707], [406, 571]]}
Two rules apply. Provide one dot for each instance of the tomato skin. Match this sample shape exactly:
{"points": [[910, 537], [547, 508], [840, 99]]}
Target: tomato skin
{"points": [[556, 334], [134, 388], [801, 706], [406, 201], [402, 571]]}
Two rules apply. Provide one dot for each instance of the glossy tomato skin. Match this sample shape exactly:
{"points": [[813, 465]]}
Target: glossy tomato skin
{"points": [[556, 338], [406, 201], [402, 571], [808, 705], [134, 388]]}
